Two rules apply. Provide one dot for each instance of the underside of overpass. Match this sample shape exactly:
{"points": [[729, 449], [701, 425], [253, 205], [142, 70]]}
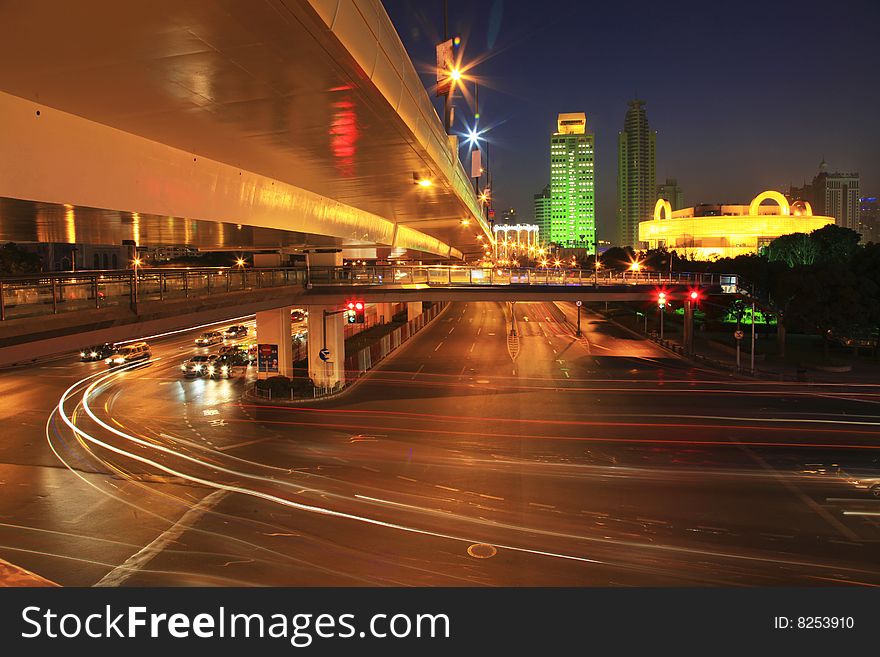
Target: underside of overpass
{"points": [[223, 125]]}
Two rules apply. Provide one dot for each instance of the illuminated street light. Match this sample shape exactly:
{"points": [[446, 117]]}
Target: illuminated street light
{"points": [[465, 222], [239, 262], [635, 265], [424, 182]]}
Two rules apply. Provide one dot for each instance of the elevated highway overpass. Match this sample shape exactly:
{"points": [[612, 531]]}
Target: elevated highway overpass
{"points": [[46, 314], [290, 124]]}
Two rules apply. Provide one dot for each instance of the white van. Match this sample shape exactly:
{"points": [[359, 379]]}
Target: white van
{"points": [[130, 353]]}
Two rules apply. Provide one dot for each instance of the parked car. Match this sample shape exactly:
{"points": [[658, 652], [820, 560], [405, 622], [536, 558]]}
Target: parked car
{"points": [[208, 338], [129, 353], [198, 365], [236, 331], [97, 352]]}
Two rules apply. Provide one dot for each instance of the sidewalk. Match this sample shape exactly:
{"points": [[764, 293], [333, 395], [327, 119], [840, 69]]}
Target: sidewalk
{"points": [[803, 362]]}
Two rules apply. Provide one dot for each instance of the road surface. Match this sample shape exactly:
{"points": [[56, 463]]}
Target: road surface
{"points": [[469, 457]]}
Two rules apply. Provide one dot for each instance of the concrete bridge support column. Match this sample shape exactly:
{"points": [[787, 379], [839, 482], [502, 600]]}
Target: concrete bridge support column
{"points": [[326, 331], [385, 311], [273, 330], [688, 332], [413, 309]]}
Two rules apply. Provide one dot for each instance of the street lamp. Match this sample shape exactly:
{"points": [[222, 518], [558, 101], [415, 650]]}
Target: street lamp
{"points": [[135, 263]]}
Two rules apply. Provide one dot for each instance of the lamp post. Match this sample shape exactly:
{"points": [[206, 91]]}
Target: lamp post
{"points": [[135, 263]]}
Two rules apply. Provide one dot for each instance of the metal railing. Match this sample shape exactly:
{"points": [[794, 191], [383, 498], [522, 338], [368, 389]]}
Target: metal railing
{"points": [[48, 294], [460, 275]]}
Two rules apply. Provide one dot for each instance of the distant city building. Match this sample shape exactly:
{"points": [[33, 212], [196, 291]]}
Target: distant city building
{"points": [[719, 231], [572, 221], [159, 254], [832, 194], [869, 219], [670, 191], [636, 179], [542, 210], [509, 216], [61, 256], [516, 241]]}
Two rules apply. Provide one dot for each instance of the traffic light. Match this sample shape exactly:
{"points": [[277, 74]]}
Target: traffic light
{"points": [[661, 299], [350, 314], [359, 309], [694, 296]]}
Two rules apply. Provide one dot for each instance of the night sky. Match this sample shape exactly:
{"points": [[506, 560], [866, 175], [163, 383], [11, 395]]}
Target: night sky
{"points": [[745, 96]]}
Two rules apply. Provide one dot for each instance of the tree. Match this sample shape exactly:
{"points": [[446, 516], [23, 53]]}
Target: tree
{"points": [[794, 249], [835, 244], [618, 257], [825, 298]]}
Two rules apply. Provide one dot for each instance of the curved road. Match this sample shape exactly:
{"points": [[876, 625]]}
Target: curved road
{"points": [[467, 458]]}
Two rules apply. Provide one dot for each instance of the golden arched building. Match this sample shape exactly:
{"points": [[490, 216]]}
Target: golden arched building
{"points": [[706, 231]]}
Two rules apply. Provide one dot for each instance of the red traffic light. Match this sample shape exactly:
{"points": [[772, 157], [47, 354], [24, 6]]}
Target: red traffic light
{"points": [[351, 305], [359, 305], [695, 295]]}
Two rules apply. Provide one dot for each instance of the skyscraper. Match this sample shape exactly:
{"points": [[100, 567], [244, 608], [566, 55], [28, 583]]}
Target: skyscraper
{"points": [[832, 194], [869, 219], [572, 221], [636, 183], [542, 211], [670, 191]]}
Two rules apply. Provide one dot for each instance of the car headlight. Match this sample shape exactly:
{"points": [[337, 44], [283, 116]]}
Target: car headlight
{"points": [[82, 354], [119, 360], [224, 369], [183, 368], [211, 369], [93, 354], [108, 360]]}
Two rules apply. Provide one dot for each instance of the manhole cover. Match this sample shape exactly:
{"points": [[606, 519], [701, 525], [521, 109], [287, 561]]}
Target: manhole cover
{"points": [[482, 551]]}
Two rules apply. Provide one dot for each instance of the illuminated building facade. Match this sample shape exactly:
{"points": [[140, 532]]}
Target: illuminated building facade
{"points": [[636, 178], [572, 221], [516, 241], [720, 231]]}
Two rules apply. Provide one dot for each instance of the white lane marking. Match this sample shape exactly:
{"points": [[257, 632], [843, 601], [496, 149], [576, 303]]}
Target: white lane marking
{"points": [[455, 490], [479, 329], [418, 370], [145, 555], [438, 346], [472, 348]]}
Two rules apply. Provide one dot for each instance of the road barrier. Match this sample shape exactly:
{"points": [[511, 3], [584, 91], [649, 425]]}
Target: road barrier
{"points": [[367, 358]]}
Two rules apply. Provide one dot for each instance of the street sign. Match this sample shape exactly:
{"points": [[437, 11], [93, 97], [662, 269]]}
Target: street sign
{"points": [[738, 334], [324, 354], [578, 303], [267, 358]]}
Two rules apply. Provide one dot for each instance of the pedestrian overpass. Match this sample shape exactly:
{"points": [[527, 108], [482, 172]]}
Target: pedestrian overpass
{"points": [[44, 314]]}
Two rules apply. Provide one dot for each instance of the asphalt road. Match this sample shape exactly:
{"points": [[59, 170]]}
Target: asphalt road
{"points": [[469, 457]]}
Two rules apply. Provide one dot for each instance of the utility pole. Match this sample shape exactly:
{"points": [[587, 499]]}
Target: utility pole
{"points": [[753, 339]]}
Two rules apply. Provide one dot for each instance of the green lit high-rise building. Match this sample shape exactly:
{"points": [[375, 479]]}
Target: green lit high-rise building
{"points": [[572, 220], [636, 183]]}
